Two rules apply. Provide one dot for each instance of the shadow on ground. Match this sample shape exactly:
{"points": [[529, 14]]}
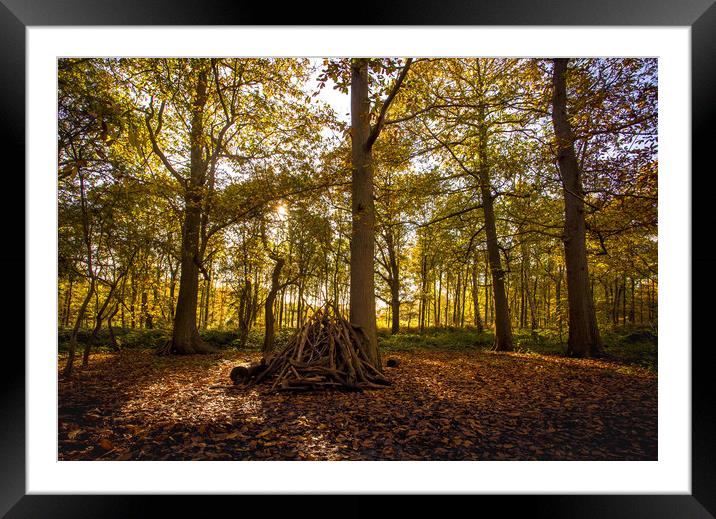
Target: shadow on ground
{"points": [[443, 405]]}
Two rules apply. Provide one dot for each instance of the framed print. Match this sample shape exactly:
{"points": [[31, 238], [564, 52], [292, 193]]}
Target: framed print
{"points": [[672, 476]]}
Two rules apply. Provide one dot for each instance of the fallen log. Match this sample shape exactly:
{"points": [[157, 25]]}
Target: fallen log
{"points": [[245, 374]]}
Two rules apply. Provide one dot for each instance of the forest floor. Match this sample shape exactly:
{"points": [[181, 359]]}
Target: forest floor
{"points": [[442, 405]]}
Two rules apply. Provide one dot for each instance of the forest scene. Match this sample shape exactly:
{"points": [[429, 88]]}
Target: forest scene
{"points": [[357, 258]]}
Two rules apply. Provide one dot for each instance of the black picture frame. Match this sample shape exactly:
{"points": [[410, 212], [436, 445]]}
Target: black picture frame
{"points": [[700, 15]]}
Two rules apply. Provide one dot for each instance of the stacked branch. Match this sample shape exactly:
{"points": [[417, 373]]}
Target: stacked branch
{"points": [[327, 352]]}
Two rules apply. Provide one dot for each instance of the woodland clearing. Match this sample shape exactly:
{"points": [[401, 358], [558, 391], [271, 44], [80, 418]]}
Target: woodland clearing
{"points": [[442, 405]]}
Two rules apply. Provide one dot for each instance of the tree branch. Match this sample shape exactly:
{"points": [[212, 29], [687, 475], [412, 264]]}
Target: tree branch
{"points": [[155, 146], [375, 131]]}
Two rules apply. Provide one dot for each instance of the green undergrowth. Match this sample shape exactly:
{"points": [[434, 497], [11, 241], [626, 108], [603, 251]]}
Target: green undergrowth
{"points": [[435, 338], [135, 338], [629, 346]]}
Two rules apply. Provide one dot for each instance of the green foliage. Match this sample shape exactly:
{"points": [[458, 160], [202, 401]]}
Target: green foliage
{"points": [[277, 184], [255, 339], [630, 346], [137, 338], [638, 346], [131, 338], [437, 338], [218, 338]]}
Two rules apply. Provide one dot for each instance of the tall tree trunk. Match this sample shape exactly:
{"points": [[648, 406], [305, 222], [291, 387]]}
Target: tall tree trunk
{"points": [[523, 313], [584, 338], [145, 310], [299, 306], [641, 301], [68, 303], [202, 295], [548, 298], [503, 327], [624, 300], [476, 299], [447, 299], [423, 292], [280, 307], [97, 327], [244, 311], [291, 307], [395, 306], [132, 303], [172, 288], [439, 299], [394, 278], [221, 295], [615, 303], [362, 294], [122, 317], [456, 300], [208, 304], [534, 301], [558, 303], [255, 300], [529, 293], [87, 234], [185, 337], [207, 298], [73, 337], [269, 330], [487, 292], [632, 308], [110, 328], [463, 298]]}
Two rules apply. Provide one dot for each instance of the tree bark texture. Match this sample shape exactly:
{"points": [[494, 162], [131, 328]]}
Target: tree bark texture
{"points": [[477, 320], [362, 286], [394, 279], [185, 339], [269, 328], [503, 327], [583, 338]]}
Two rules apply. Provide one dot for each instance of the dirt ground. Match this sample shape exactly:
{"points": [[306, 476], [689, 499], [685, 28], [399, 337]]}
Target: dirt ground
{"points": [[442, 405]]}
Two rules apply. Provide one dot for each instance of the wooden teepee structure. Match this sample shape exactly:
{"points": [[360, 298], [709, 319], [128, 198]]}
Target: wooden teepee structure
{"points": [[327, 351]]}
